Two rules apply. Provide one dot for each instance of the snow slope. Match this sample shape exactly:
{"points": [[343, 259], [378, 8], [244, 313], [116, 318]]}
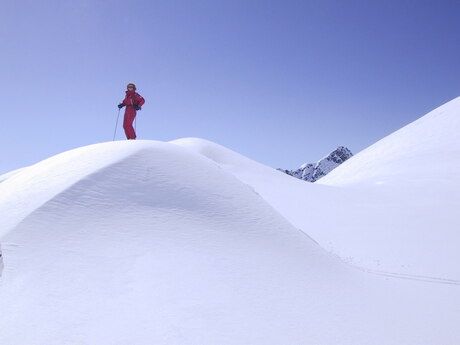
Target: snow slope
{"points": [[390, 209], [413, 180], [142, 242], [425, 152], [6, 176]]}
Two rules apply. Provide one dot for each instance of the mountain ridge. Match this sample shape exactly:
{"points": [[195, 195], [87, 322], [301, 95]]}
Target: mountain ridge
{"points": [[314, 171]]}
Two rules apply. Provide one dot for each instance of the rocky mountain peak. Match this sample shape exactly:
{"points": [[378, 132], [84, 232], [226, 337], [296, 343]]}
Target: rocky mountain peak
{"points": [[314, 171]]}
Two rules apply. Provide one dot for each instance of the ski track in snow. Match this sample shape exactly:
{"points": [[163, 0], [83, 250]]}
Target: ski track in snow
{"points": [[425, 279]]}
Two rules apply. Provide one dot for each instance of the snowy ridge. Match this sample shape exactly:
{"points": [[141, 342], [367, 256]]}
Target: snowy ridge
{"points": [[26, 189], [10, 174], [426, 150], [314, 171]]}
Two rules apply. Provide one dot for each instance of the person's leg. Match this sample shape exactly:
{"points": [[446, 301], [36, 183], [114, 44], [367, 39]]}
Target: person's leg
{"points": [[128, 125]]}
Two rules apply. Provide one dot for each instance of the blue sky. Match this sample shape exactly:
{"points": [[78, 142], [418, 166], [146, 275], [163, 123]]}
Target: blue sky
{"points": [[282, 82]]}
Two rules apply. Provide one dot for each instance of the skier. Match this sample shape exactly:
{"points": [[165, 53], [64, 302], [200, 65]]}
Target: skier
{"points": [[133, 102]]}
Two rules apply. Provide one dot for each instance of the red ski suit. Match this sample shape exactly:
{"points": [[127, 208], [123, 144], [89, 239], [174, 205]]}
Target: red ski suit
{"points": [[131, 100]]}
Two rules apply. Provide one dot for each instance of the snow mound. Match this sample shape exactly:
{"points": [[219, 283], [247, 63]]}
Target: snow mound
{"points": [[24, 190], [144, 242]]}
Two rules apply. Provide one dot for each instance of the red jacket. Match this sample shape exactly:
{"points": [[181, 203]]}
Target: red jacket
{"points": [[131, 100]]}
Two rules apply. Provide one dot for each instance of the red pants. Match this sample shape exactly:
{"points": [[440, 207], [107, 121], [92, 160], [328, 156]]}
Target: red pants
{"points": [[128, 125]]}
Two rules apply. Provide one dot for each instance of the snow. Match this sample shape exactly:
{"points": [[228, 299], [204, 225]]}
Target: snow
{"points": [[391, 208], [412, 181], [188, 242], [424, 152], [6, 176]]}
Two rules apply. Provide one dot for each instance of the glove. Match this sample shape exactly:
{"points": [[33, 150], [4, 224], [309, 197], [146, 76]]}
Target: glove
{"points": [[137, 107], [121, 105]]}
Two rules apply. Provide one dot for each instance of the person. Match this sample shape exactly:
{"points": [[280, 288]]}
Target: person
{"points": [[133, 102]]}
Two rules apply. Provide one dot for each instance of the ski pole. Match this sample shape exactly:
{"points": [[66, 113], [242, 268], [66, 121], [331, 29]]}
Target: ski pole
{"points": [[116, 125]]}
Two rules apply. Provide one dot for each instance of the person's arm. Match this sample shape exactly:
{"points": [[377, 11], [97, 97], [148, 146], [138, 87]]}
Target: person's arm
{"points": [[140, 101], [121, 105]]}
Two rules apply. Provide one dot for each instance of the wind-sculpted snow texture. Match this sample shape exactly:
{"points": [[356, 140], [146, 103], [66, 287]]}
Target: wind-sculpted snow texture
{"points": [[143, 242]]}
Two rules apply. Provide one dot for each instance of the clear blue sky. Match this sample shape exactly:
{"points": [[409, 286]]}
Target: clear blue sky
{"points": [[282, 82]]}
